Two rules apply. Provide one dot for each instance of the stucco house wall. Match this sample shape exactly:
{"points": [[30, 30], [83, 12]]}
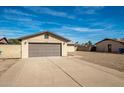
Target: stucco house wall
{"points": [[71, 48], [10, 51], [40, 39], [103, 46]]}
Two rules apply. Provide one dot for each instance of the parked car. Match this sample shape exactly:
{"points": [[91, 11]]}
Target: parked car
{"points": [[121, 50]]}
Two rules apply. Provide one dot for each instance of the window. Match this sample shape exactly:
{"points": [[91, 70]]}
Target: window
{"points": [[46, 36]]}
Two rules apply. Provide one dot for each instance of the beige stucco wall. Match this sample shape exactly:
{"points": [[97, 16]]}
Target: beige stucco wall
{"points": [[40, 39], [10, 51], [103, 46], [71, 48]]}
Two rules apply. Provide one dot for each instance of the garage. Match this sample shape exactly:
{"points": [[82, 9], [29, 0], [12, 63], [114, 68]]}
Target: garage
{"points": [[44, 49], [43, 44]]}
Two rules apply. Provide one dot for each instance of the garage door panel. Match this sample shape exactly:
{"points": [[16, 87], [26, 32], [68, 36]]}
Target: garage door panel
{"points": [[40, 49]]}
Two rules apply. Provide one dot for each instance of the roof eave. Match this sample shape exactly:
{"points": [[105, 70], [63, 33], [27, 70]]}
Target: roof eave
{"points": [[33, 35], [109, 39]]}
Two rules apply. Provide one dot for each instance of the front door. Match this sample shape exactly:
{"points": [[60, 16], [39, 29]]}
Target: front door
{"points": [[109, 47]]}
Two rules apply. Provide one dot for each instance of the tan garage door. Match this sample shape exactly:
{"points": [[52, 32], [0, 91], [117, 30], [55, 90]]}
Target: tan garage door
{"points": [[44, 49]]}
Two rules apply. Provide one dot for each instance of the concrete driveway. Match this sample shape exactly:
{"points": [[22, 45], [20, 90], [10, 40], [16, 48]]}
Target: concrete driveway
{"points": [[60, 72]]}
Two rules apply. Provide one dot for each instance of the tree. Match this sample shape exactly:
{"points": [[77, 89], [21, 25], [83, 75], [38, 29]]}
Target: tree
{"points": [[89, 43], [14, 41], [76, 43]]}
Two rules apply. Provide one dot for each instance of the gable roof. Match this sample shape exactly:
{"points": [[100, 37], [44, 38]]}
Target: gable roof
{"points": [[3, 40], [119, 41], [45, 32]]}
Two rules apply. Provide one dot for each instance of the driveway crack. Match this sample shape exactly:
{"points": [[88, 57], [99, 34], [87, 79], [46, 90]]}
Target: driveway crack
{"points": [[65, 73]]}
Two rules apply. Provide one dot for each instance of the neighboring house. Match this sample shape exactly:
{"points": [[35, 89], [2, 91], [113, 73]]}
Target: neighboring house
{"points": [[110, 45], [71, 47], [43, 44], [3, 41]]}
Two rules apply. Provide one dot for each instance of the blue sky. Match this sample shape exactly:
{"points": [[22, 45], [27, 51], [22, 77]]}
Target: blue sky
{"points": [[76, 23]]}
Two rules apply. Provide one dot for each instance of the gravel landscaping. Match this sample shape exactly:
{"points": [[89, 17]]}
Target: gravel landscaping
{"points": [[114, 61]]}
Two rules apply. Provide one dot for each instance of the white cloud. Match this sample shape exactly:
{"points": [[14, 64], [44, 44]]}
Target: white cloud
{"points": [[93, 10], [16, 18], [45, 10], [27, 20], [88, 9], [54, 23], [11, 33], [102, 24], [18, 12], [71, 32], [24, 21], [82, 29]]}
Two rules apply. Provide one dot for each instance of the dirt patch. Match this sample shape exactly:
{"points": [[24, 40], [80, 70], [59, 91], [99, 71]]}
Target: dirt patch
{"points": [[114, 61], [5, 64]]}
